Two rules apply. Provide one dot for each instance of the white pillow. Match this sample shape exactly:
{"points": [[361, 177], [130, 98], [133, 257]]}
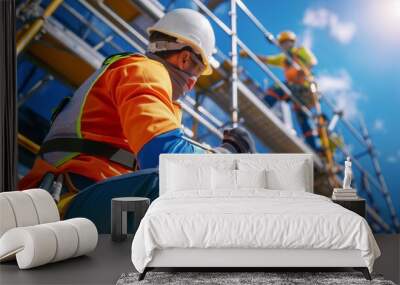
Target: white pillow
{"points": [[182, 177], [251, 178], [282, 174], [223, 179], [293, 179]]}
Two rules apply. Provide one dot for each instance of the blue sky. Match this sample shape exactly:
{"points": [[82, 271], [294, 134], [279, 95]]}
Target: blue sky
{"points": [[357, 44]]}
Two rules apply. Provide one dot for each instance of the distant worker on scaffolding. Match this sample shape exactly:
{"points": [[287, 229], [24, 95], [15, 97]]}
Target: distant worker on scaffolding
{"points": [[123, 117], [298, 80]]}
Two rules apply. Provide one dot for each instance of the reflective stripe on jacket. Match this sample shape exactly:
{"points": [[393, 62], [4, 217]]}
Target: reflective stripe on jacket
{"points": [[127, 103]]}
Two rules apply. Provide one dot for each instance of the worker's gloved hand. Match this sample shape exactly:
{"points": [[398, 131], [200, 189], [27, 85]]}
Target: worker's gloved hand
{"points": [[237, 140], [243, 53]]}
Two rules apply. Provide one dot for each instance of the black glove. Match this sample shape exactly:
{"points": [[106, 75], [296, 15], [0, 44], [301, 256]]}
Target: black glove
{"points": [[237, 140]]}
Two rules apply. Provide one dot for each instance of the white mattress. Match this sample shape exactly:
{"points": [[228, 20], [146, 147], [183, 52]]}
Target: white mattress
{"points": [[253, 218]]}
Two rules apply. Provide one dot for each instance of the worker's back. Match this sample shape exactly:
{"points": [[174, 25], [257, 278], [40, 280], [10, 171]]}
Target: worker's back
{"points": [[106, 109], [306, 59]]}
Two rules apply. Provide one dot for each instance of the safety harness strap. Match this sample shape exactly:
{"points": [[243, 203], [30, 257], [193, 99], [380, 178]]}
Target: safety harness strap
{"points": [[89, 147]]}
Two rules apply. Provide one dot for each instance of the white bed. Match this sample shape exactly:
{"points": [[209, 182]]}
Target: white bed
{"points": [[247, 210]]}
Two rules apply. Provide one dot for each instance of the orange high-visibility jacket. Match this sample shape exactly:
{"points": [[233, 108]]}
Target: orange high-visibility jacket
{"points": [[129, 104], [302, 56]]}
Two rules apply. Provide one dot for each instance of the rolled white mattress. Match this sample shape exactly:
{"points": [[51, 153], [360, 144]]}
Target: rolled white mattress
{"points": [[36, 245], [26, 208]]}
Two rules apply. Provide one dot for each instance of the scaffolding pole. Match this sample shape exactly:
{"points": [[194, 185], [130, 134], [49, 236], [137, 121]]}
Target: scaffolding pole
{"points": [[348, 125], [321, 122], [118, 31], [234, 61], [365, 173], [36, 26], [366, 141], [253, 56], [89, 25], [379, 175], [378, 220]]}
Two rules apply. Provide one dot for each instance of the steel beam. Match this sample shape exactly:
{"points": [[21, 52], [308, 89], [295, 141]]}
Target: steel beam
{"points": [[36, 26]]}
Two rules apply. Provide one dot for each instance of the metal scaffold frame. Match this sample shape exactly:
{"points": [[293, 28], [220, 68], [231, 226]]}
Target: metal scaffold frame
{"points": [[364, 139], [237, 88], [234, 61]]}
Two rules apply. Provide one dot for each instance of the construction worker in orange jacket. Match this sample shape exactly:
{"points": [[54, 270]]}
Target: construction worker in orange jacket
{"points": [[128, 111], [298, 79]]}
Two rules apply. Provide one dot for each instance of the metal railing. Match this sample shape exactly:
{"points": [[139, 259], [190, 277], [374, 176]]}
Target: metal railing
{"points": [[366, 142], [364, 139], [131, 36]]}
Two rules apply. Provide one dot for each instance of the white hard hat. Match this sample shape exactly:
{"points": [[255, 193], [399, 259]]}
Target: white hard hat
{"points": [[191, 28]]}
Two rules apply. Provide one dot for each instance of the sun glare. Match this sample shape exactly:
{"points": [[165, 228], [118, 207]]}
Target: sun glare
{"points": [[390, 11], [384, 18], [396, 9]]}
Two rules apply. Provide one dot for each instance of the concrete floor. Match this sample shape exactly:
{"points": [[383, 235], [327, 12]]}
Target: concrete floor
{"points": [[389, 262], [110, 260], [102, 266]]}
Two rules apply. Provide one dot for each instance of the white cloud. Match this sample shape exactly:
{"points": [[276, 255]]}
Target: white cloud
{"points": [[323, 18], [392, 159], [318, 18], [342, 31], [378, 125], [334, 83], [307, 39], [338, 88]]}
